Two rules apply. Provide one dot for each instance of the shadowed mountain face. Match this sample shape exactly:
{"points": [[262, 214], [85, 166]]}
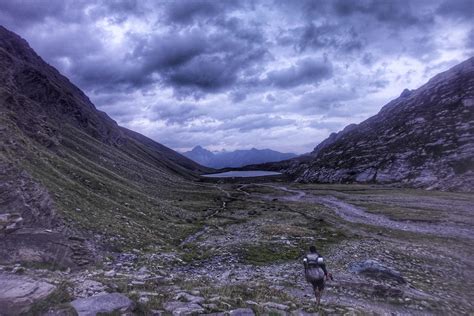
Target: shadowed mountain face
{"points": [[424, 138], [67, 168], [235, 159]]}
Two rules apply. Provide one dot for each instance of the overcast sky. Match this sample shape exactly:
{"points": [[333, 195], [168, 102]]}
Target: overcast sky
{"points": [[242, 74]]}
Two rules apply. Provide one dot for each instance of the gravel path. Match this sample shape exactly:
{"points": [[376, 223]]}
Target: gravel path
{"points": [[355, 214]]}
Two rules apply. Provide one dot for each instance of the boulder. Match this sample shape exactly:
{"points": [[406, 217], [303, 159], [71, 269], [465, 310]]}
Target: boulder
{"points": [[9, 222], [272, 305], [183, 308], [186, 297], [301, 312], [60, 311], [85, 288], [19, 293], [386, 291], [104, 303], [241, 312], [376, 270]]}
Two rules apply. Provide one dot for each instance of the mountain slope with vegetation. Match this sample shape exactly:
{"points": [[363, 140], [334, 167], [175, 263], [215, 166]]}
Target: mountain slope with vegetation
{"points": [[68, 171]]}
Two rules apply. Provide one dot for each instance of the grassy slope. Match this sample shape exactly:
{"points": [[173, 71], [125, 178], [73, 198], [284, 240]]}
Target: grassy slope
{"points": [[124, 195], [106, 182]]}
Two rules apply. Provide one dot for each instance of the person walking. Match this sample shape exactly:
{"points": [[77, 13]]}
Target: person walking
{"points": [[316, 272]]}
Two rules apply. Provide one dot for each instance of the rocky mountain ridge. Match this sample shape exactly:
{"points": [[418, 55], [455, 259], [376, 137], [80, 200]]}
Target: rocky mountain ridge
{"points": [[235, 159], [424, 138]]}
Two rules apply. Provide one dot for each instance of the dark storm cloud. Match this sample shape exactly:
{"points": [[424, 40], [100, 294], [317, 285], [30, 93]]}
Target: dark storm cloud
{"points": [[171, 50], [209, 68], [99, 74], [349, 29], [328, 35], [191, 61], [196, 62], [25, 13], [206, 73], [387, 12], [457, 9], [118, 11], [305, 71], [31, 11], [394, 12], [253, 122], [324, 102], [184, 12], [176, 114]]}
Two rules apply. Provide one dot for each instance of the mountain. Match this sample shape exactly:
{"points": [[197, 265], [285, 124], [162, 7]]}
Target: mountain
{"points": [[68, 171], [235, 159], [201, 156], [424, 138]]}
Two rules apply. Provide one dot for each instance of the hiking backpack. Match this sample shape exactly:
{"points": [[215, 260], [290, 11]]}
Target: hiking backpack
{"points": [[314, 272]]}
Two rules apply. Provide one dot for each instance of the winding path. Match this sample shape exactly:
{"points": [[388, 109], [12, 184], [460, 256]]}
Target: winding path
{"points": [[355, 214]]}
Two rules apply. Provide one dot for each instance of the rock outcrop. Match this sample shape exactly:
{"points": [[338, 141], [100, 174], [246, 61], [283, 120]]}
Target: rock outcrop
{"points": [[376, 270], [424, 138], [19, 293], [10, 222], [103, 304]]}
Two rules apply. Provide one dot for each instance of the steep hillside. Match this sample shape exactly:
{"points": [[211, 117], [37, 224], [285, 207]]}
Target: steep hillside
{"points": [[424, 138], [68, 171], [235, 159]]}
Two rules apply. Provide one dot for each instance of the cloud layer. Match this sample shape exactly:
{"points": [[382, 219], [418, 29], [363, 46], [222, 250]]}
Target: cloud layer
{"points": [[242, 74]]}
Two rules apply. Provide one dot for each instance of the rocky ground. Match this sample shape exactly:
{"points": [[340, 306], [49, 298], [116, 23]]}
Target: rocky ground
{"points": [[391, 251]]}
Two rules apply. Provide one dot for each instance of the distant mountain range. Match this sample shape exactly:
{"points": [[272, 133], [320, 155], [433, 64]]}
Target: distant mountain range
{"points": [[424, 138], [235, 159]]}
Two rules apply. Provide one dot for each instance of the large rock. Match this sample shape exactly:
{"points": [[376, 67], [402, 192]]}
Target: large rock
{"points": [[19, 293], [186, 297], [376, 270], [105, 303], [301, 312], [30, 231], [272, 305], [9, 222], [85, 288], [242, 312], [183, 308]]}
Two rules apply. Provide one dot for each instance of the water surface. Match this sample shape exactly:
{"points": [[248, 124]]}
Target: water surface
{"points": [[242, 174]]}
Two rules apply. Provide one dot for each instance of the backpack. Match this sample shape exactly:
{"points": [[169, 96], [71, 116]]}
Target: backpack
{"points": [[314, 272]]}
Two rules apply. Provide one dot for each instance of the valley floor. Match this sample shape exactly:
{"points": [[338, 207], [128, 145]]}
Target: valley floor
{"points": [[390, 250]]}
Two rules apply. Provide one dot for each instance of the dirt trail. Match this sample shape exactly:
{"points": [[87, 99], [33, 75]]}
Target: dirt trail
{"points": [[206, 228], [355, 214]]}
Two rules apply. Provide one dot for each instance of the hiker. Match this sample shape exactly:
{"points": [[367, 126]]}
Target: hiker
{"points": [[315, 272]]}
